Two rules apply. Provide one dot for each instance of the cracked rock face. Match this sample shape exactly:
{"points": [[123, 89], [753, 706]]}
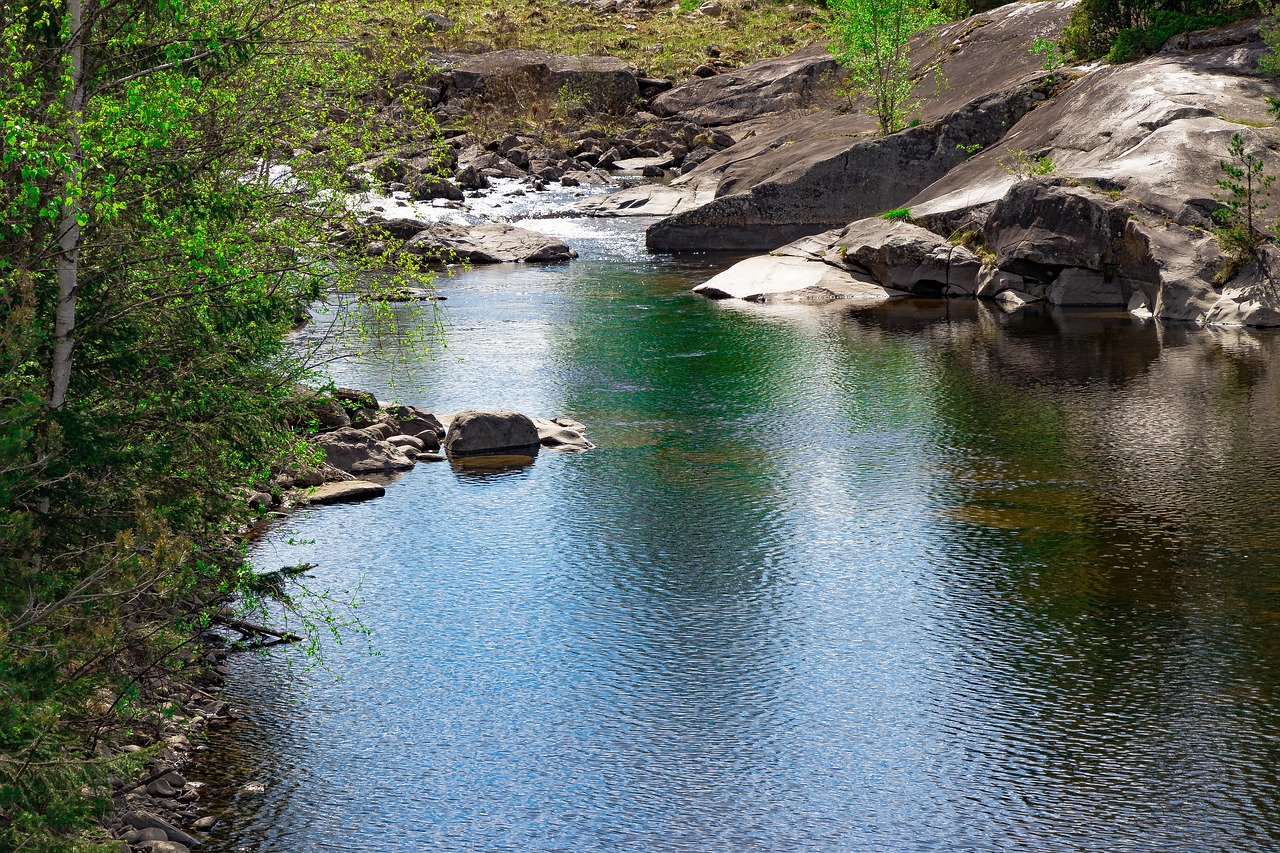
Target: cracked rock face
{"points": [[800, 168], [1124, 219]]}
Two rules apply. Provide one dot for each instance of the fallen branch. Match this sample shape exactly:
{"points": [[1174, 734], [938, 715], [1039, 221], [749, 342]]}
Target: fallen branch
{"points": [[247, 629]]}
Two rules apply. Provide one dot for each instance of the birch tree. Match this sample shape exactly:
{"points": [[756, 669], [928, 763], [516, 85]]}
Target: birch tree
{"points": [[870, 39]]}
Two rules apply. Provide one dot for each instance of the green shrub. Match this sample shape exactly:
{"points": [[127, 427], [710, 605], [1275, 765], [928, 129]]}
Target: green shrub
{"points": [[1124, 30], [1164, 25], [901, 214], [1023, 165]]}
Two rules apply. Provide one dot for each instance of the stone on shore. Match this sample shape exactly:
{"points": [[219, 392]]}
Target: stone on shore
{"points": [[140, 819], [162, 847], [349, 491], [357, 451], [495, 431]]}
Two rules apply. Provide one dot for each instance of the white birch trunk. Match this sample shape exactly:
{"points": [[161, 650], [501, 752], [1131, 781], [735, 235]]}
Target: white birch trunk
{"points": [[67, 262]]}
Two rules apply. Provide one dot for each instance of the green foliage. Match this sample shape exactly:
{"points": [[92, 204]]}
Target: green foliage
{"points": [[667, 41], [870, 40], [1270, 63], [971, 148], [1246, 183], [202, 154], [1023, 165], [901, 214], [1161, 26], [1051, 56], [1124, 29]]}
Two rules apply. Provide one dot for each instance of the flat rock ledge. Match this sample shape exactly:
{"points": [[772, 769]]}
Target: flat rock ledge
{"points": [[778, 278], [350, 491], [485, 243]]}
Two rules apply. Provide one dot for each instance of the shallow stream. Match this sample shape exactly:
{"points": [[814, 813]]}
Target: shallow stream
{"points": [[921, 576]]}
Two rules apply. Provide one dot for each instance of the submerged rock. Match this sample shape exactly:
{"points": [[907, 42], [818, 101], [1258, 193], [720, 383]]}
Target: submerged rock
{"points": [[562, 437]]}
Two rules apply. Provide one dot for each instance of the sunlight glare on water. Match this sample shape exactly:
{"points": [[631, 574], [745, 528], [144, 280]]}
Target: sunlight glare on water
{"points": [[915, 577]]}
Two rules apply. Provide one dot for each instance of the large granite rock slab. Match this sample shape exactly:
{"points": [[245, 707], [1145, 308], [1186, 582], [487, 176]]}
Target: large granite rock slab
{"points": [[603, 82], [798, 81], [1124, 219], [778, 278], [810, 172], [487, 243]]}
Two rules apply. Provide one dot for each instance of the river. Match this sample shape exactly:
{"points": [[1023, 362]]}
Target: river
{"points": [[921, 576]]}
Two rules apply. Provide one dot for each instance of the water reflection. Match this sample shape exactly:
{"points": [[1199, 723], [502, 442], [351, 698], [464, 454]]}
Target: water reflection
{"points": [[919, 576], [488, 466]]}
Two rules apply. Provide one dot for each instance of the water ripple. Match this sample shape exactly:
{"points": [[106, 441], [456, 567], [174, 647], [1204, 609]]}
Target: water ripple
{"points": [[913, 578]]}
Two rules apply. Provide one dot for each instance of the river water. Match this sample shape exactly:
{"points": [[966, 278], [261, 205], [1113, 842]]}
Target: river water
{"points": [[919, 576]]}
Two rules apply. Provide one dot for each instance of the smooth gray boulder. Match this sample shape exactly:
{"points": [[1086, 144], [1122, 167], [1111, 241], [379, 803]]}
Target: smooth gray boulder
{"points": [[416, 421], [496, 431], [1042, 226], [141, 819], [163, 847], [906, 257], [778, 278], [399, 227], [800, 80], [358, 451], [487, 243]]}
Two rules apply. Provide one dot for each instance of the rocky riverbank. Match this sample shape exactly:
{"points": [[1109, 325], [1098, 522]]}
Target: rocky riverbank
{"points": [[1089, 186], [365, 445], [150, 812]]}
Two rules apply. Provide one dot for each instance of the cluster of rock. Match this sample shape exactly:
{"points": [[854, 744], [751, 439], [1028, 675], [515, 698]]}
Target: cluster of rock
{"points": [[459, 86], [149, 813], [366, 444], [1123, 218]]}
